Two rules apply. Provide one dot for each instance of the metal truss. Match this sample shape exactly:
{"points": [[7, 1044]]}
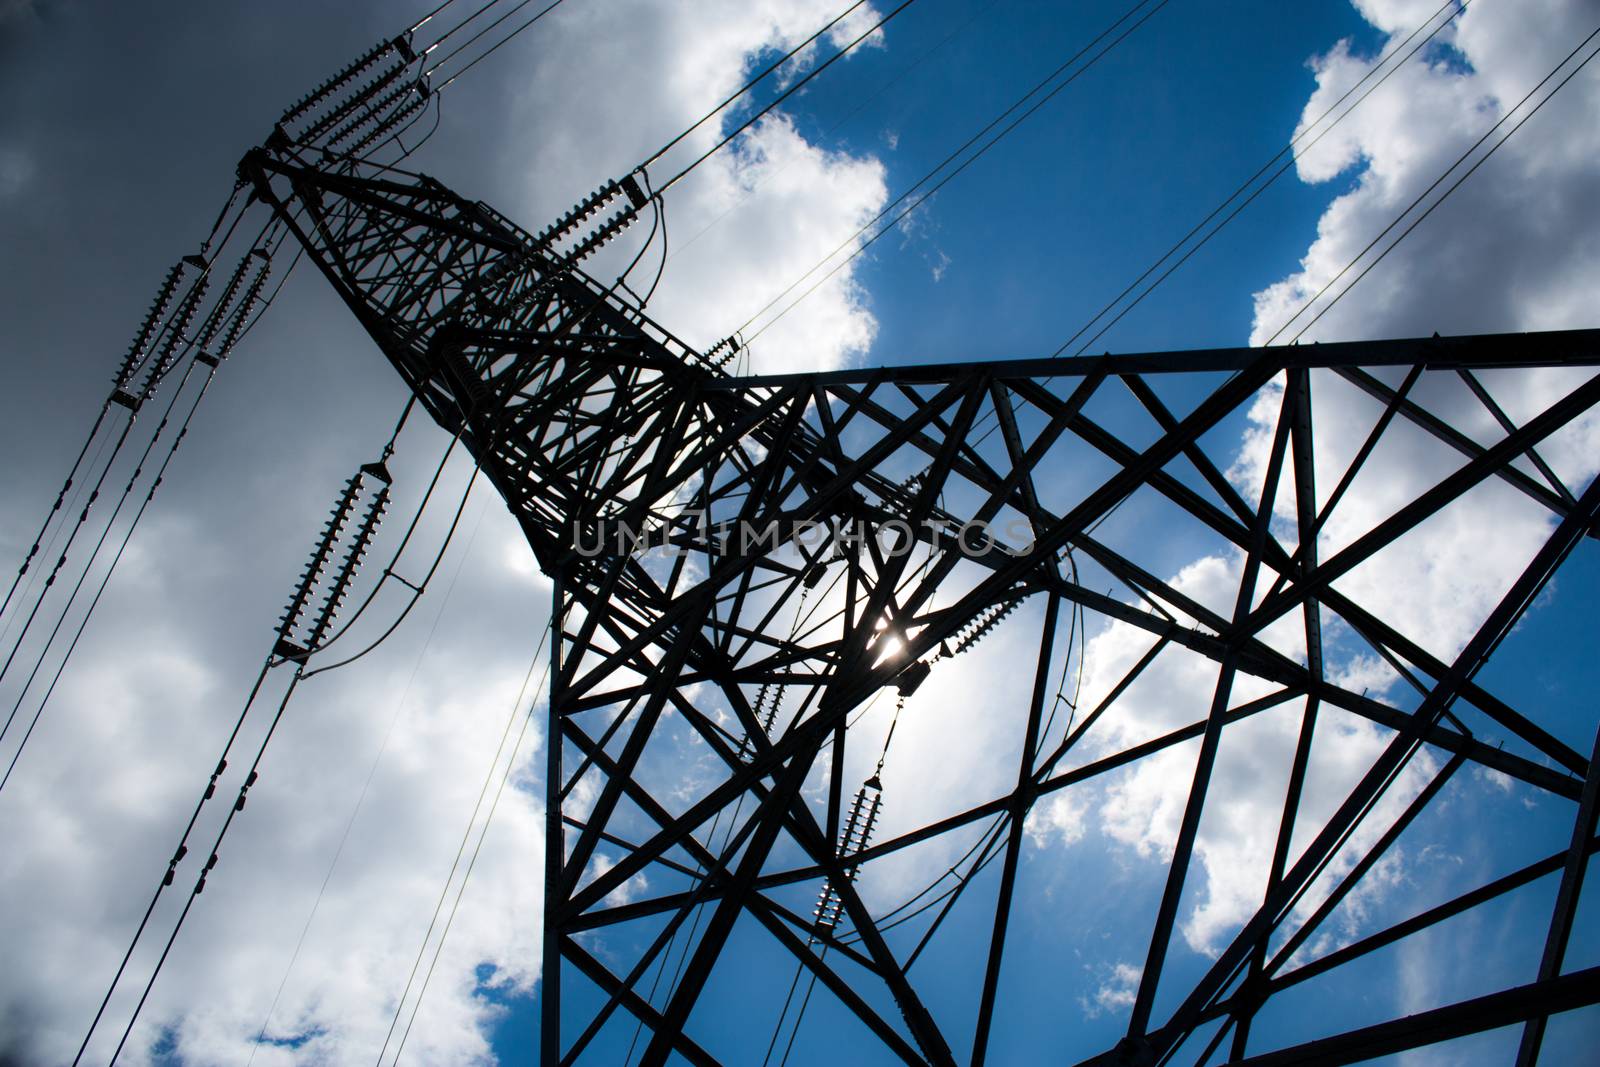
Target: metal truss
{"points": [[705, 712]]}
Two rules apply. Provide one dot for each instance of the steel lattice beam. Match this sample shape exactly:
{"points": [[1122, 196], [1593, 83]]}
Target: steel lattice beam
{"points": [[589, 418]]}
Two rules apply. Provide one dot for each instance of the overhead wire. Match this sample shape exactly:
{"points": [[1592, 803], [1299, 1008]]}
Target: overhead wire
{"points": [[469, 42], [477, 848], [366, 786], [74, 529], [56, 510], [461, 849], [748, 85], [1453, 8], [499, 44], [50, 537], [862, 104], [300, 674], [854, 243], [194, 894], [106, 577], [799, 84], [431, 15], [1436, 183]]}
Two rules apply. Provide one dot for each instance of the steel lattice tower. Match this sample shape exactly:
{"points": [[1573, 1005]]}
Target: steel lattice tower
{"points": [[591, 419]]}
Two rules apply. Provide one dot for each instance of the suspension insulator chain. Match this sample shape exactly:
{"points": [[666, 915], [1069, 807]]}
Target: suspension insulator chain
{"points": [[567, 225], [147, 331], [604, 235], [356, 68], [290, 623], [335, 115], [979, 628], [348, 568], [390, 100], [769, 698], [853, 839], [900, 496], [383, 128], [177, 339], [241, 314], [219, 312], [722, 353]]}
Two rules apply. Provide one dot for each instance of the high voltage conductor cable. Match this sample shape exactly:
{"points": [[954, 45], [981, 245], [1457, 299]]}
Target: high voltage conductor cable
{"points": [[1437, 182], [48, 536], [154, 345], [637, 199], [429, 17], [483, 831], [73, 530], [475, 37], [39, 662], [366, 786], [866, 100], [453, 29], [311, 582], [796, 87], [55, 509], [331, 595], [751, 84], [230, 308], [982, 149], [199, 886], [1454, 7], [1451, 5]]}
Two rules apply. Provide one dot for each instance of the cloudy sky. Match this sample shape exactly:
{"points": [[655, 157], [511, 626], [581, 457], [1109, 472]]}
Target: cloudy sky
{"points": [[119, 129]]}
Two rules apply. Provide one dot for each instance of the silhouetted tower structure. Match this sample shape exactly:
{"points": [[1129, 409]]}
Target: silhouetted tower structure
{"points": [[744, 565], [941, 492]]}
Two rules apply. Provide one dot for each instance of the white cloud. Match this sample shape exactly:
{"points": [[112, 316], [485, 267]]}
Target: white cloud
{"points": [[1115, 992], [749, 221], [89, 825], [1061, 818], [1501, 253]]}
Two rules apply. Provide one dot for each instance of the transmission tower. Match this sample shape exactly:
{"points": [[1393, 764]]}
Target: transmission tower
{"points": [[677, 510], [745, 567]]}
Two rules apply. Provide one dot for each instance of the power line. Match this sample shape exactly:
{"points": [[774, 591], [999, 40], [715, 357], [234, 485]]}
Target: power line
{"points": [[1437, 182], [497, 45], [982, 149], [853, 112], [796, 87], [94, 602], [483, 832], [1455, 8], [751, 84]]}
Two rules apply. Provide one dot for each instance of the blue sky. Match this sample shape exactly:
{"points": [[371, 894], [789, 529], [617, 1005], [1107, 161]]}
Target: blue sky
{"points": [[117, 136]]}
